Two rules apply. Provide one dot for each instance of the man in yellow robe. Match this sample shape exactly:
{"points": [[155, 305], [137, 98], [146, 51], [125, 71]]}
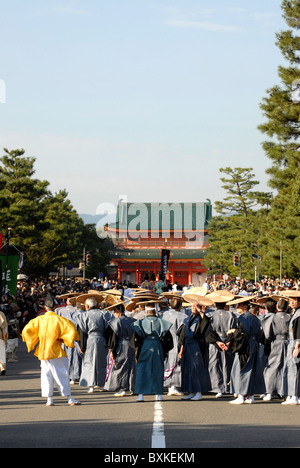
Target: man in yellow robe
{"points": [[47, 332]]}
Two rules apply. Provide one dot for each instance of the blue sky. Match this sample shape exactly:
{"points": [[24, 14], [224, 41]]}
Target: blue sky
{"points": [[144, 98]]}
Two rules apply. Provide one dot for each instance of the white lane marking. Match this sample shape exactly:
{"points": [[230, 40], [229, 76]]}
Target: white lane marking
{"points": [[158, 435]]}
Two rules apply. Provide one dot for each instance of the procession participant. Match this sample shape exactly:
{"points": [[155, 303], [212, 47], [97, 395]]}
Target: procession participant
{"points": [[120, 376], [195, 336], [13, 327], [152, 341], [268, 305], [48, 332], [277, 335], [74, 354], [220, 363], [3, 340], [174, 315], [292, 366], [93, 322], [138, 303], [243, 343]]}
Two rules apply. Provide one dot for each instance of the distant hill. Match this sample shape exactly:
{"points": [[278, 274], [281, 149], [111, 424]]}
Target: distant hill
{"points": [[95, 219]]}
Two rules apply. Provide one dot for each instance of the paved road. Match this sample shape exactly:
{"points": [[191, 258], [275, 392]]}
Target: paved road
{"points": [[104, 421]]}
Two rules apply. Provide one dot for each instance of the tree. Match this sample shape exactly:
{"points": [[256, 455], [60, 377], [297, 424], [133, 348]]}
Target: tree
{"points": [[21, 198], [241, 198], [238, 227], [59, 243], [45, 227], [282, 112], [98, 248]]}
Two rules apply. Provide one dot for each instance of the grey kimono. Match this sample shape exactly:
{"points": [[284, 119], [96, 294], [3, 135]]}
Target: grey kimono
{"points": [[292, 365], [94, 323], [121, 369], [220, 362], [278, 336], [172, 374], [243, 374]]}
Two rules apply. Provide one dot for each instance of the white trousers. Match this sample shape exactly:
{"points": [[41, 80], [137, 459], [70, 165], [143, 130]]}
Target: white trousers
{"points": [[12, 345], [55, 370], [2, 355]]}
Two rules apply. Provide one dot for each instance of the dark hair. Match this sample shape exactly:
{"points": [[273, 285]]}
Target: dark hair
{"points": [[271, 305], [120, 308], [175, 303], [282, 304]]}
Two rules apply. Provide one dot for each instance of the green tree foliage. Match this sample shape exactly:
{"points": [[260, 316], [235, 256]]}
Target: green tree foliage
{"points": [[45, 227], [241, 198], [100, 250], [281, 108], [238, 227]]}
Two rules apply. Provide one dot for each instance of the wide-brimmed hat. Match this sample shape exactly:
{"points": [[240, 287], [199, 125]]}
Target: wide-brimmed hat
{"points": [[221, 296], [171, 295], [264, 299], [68, 295], [197, 290], [240, 300], [137, 300], [202, 300], [152, 301], [130, 306], [113, 292], [83, 297], [117, 303], [146, 296], [290, 293]]}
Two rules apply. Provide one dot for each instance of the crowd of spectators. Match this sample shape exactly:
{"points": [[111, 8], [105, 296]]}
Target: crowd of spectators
{"points": [[31, 294]]}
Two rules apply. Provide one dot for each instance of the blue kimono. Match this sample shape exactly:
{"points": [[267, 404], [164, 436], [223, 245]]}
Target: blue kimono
{"points": [[149, 335]]}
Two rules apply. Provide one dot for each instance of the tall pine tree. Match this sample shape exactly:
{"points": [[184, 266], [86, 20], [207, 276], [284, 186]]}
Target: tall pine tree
{"points": [[281, 109], [45, 227], [239, 225]]}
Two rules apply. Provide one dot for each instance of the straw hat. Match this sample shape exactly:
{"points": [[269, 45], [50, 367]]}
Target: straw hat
{"points": [[135, 301], [117, 303], [220, 296], [290, 293], [241, 300], [200, 291], [264, 299], [83, 297], [68, 295], [152, 301], [192, 298], [146, 296], [171, 295], [186, 304], [130, 306], [114, 292]]}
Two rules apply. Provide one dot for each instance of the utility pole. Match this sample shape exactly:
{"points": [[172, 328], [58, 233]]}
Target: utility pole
{"points": [[84, 263], [280, 275], [240, 264]]}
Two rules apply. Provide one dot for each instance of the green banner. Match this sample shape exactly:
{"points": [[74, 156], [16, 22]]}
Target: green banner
{"points": [[9, 283]]}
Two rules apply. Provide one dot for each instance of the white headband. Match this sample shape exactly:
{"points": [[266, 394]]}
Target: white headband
{"points": [[148, 309]]}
